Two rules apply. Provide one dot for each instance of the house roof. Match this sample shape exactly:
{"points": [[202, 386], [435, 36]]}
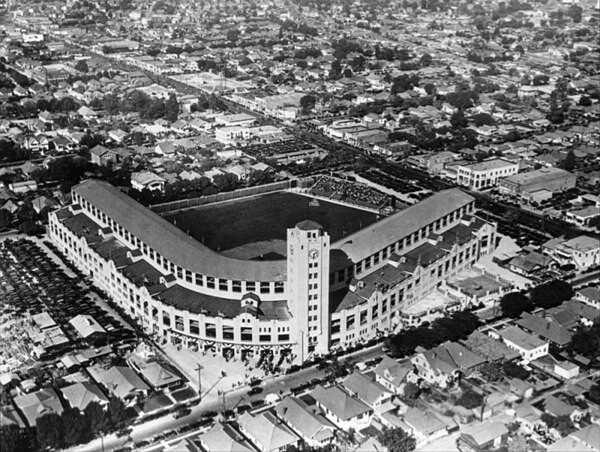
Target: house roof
{"points": [[590, 436], [36, 404], [157, 374], [545, 328], [304, 419], [339, 402], [520, 338], [393, 371], [119, 380], [484, 433], [223, 438], [424, 422], [267, 431], [557, 407], [79, 395], [365, 388], [86, 325]]}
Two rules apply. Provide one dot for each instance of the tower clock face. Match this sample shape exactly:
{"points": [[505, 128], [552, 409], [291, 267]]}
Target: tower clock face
{"points": [[313, 254]]}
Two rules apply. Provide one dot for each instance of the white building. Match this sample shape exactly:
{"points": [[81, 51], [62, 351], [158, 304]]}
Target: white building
{"points": [[485, 174], [529, 346]]}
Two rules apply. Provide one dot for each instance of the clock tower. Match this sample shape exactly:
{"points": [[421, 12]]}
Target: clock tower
{"points": [[308, 288]]}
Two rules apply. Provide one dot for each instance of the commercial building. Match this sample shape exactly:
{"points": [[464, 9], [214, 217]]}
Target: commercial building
{"points": [[532, 185], [485, 174], [320, 295]]}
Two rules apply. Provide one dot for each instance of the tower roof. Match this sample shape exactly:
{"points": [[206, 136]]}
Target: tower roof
{"points": [[308, 225]]}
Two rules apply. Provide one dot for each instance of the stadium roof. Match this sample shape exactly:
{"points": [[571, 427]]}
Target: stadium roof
{"points": [[171, 242], [381, 234]]}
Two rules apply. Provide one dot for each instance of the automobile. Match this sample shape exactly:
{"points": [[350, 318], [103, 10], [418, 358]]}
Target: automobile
{"points": [[255, 390], [124, 432], [181, 413]]}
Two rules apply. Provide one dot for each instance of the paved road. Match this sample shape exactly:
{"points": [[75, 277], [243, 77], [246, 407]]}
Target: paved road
{"points": [[233, 398]]}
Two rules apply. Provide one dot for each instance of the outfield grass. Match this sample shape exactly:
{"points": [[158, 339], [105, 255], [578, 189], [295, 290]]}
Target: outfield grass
{"points": [[231, 224]]}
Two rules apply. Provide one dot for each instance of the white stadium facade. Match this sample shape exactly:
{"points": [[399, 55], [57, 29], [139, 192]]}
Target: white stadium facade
{"points": [[319, 297]]}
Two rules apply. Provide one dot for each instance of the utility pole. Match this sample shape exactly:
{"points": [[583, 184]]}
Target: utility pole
{"points": [[199, 369]]}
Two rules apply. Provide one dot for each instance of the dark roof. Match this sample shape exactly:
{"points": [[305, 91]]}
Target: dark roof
{"points": [[171, 242], [199, 303], [378, 235], [308, 225]]}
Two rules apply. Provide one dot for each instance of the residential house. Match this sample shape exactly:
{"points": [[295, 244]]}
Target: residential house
{"points": [[588, 216], [372, 393], [529, 264], [80, 395], [424, 425], [23, 186], [529, 346], [120, 381], [341, 408], [545, 328], [307, 421], [37, 143], [267, 432], [582, 251], [558, 407], [158, 375], [485, 436], [224, 438], [148, 180], [444, 364], [394, 375], [87, 327], [34, 405], [590, 296]]}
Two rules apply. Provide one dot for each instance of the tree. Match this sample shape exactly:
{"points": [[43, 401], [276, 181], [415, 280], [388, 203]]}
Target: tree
{"points": [[95, 417], [585, 101], [569, 162], [551, 294], [307, 103], [458, 119], [562, 423], [171, 108], [514, 370], [396, 440], [491, 371], [513, 304], [411, 390], [586, 341], [117, 412], [50, 431], [82, 66], [594, 393], [13, 439], [75, 426], [6, 218], [484, 119], [470, 399]]}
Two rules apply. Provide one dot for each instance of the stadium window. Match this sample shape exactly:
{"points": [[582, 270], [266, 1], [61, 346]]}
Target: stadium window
{"points": [[375, 259], [179, 323], [367, 263], [374, 312], [166, 319], [265, 287], [349, 322], [188, 276], [264, 338], [279, 287], [250, 286], [384, 307], [359, 267], [210, 330], [199, 279], [210, 282], [393, 300], [283, 337], [363, 317], [223, 284], [179, 272], [246, 334], [236, 286], [194, 327]]}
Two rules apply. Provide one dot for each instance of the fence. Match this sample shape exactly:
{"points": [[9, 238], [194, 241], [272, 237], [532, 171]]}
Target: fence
{"points": [[219, 197]]}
